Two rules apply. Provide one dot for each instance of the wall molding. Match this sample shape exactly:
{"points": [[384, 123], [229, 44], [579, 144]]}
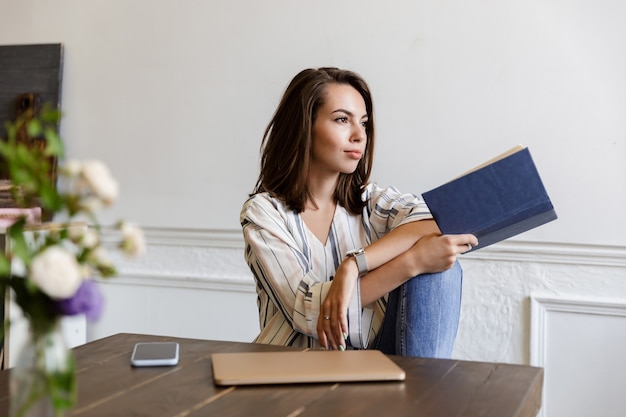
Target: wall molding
{"points": [[203, 238], [509, 250], [207, 283], [552, 252], [213, 259], [543, 306]]}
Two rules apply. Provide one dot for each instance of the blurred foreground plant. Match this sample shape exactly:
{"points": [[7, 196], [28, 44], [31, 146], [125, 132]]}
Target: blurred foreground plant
{"points": [[51, 267]]}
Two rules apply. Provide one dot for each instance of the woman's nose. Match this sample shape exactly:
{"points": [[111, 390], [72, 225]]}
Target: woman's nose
{"points": [[358, 133]]}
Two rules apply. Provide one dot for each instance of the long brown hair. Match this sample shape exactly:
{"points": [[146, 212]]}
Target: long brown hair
{"points": [[287, 142]]}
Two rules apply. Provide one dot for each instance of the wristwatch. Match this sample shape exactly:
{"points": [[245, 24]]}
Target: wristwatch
{"points": [[359, 257]]}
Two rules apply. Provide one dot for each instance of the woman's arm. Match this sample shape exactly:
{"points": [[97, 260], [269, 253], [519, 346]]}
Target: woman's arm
{"points": [[397, 241], [332, 319], [432, 253], [414, 250]]}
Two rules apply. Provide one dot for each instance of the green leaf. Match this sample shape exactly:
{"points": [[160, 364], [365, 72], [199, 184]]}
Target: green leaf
{"points": [[34, 128], [106, 271], [50, 197], [19, 246], [62, 387], [5, 266], [54, 145], [49, 114], [4, 148], [11, 131]]}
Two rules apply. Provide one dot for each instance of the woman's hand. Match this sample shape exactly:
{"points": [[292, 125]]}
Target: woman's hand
{"points": [[332, 323], [437, 253]]}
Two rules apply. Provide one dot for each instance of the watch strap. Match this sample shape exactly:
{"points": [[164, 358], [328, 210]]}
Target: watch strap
{"points": [[359, 257]]}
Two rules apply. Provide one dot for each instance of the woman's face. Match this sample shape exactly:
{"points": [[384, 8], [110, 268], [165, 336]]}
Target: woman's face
{"points": [[339, 136]]}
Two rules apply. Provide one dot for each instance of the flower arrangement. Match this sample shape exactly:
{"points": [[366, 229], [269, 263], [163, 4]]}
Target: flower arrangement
{"points": [[52, 270]]}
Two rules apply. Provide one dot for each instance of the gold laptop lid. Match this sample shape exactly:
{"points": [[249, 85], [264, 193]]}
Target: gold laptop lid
{"points": [[249, 368]]}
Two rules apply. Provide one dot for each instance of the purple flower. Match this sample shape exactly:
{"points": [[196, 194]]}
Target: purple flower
{"points": [[87, 300]]}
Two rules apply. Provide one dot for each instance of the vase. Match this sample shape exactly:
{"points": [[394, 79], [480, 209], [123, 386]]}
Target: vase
{"points": [[43, 380]]}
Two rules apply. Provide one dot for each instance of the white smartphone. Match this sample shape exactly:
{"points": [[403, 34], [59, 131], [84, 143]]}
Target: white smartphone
{"points": [[155, 354]]}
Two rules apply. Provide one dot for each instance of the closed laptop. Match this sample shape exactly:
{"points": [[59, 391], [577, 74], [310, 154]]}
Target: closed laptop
{"points": [[250, 368]]}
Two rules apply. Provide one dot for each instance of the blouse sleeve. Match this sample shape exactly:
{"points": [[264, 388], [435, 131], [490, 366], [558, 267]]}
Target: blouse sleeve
{"points": [[387, 208], [280, 266]]}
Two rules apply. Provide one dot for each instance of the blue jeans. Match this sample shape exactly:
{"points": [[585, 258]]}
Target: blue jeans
{"points": [[422, 316]]}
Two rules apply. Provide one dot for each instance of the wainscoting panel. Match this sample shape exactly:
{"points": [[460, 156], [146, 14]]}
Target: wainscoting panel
{"points": [[580, 344], [192, 309], [191, 283]]}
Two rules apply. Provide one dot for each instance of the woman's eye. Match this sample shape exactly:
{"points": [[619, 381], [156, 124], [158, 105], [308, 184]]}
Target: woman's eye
{"points": [[342, 119]]}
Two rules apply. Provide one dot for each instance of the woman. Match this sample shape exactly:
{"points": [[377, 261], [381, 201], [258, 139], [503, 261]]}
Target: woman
{"points": [[338, 261]]}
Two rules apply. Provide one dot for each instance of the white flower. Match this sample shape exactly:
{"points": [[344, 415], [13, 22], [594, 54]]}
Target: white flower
{"points": [[72, 168], [101, 258], [91, 204], [99, 179], [85, 272], [56, 272], [90, 239], [86, 237], [75, 234], [134, 242]]}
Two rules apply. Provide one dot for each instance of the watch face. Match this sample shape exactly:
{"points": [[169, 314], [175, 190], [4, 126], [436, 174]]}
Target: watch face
{"points": [[355, 252]]}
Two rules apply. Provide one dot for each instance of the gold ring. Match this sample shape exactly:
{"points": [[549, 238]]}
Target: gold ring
{"points": [[326, 317]]}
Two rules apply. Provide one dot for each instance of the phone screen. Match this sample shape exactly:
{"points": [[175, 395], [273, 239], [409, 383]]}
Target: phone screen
{"points": [[155, 354]]}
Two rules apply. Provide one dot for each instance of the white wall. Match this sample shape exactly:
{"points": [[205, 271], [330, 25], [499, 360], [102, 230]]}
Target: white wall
{"points": [[174, 95]]}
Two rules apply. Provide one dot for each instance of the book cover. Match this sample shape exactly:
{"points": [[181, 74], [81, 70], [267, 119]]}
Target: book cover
{"points": [[499, 199]]}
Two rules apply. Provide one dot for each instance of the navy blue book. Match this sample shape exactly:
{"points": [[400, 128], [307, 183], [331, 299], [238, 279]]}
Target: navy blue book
{"points": [[497, 200]]}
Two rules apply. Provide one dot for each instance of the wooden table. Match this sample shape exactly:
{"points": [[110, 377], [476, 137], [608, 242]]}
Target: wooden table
{"points": [[109, 386]]}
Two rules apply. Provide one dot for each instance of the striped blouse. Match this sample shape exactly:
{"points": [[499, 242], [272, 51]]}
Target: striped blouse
{"points": [[293, 270]]}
